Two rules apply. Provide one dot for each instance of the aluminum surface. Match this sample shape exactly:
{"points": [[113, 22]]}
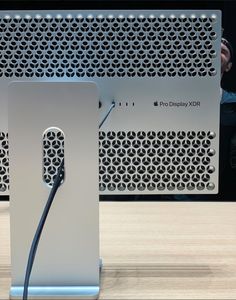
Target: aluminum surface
{"points": [[33, 109], [137, 58], [55, 292]]}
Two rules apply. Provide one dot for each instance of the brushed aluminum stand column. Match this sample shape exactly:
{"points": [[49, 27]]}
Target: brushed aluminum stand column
{"points": [[43, 117]]}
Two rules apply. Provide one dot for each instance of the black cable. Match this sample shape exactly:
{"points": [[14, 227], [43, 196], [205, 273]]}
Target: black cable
{"points": [[108, 113], [34, 245]]}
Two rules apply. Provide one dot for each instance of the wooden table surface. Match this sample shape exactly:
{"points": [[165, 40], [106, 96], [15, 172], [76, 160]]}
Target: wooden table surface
{"points": [[157, 250]]}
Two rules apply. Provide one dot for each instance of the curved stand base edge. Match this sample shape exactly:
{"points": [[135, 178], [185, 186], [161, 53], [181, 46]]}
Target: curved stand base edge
{"points": [[56, 292]]}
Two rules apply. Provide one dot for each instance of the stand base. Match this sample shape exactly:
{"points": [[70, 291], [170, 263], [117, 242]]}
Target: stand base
{"points": [[56, 292]]}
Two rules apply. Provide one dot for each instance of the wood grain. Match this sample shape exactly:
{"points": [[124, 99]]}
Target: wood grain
{"points": [[157, 250]]}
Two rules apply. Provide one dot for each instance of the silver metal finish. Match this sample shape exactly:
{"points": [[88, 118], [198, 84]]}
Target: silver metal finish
{"points": [[162, 68], [141, 162], [57, 292], [69, 265]]}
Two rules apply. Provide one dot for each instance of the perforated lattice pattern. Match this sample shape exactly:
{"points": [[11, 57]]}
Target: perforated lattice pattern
{"points": [[161, 161], [53, 153], [103, 46], [4, 162]]}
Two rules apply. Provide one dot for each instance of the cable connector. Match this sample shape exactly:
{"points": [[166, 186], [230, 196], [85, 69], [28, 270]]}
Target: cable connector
{"points": [[113, 104]]}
